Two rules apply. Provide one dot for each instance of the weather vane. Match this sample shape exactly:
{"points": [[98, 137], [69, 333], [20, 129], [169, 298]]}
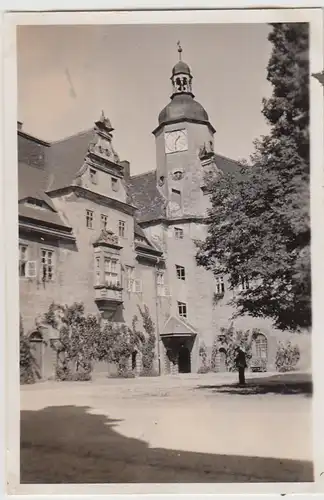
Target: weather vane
{"points": [[179, 49]]}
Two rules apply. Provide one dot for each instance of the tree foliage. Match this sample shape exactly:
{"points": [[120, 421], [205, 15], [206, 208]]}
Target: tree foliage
{"points": [[287, 356], [259, 227], [232, 339]]}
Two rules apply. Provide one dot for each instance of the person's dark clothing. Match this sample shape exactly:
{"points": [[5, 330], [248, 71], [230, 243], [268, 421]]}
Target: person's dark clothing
{"points": [[241, 375], [240, 361]]}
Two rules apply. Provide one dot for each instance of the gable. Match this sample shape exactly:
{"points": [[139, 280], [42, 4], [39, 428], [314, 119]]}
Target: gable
{"points": [[176, 326]]}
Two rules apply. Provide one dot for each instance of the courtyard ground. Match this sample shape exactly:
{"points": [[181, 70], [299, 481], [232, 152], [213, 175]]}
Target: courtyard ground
{"points": [[194, 428]]}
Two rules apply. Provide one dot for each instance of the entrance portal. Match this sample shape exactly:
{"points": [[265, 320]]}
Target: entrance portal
{"points": [[184, 362]]}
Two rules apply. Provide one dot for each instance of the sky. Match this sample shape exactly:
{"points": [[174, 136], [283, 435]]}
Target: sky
{"points": [[68, 74]]}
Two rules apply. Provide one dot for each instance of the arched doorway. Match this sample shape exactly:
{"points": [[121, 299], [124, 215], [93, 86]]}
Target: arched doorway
{"points": [[222, 360], [134, 356], [36, 342], [184, 362]]}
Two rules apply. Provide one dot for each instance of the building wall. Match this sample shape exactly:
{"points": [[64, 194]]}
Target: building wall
{"points": [[35, 295], [192, 197]]}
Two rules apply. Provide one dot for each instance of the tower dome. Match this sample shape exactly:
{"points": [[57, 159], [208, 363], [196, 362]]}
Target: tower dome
{"points": [[183, 106]]}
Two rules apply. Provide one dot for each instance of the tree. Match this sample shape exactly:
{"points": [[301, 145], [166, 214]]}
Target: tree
{"points": [[79, 335], [259, 227]]}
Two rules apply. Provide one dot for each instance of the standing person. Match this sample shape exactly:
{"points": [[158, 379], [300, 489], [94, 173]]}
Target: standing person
{"points": [[240, 362]]}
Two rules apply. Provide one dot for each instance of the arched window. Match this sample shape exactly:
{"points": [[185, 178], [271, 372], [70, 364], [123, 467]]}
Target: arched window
{"points": [[261, 346]]}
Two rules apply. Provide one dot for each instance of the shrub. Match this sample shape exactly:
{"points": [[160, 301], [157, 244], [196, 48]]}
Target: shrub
{"points": [[26, 358], [213, 361], [287, 356], [204, 367], [148, 344]]}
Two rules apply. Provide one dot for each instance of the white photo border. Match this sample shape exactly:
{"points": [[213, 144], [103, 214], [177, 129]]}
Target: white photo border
{"points": [[10, 223]]}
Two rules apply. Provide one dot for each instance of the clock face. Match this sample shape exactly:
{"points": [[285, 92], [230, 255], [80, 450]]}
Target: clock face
{"points": [[175, 141]]}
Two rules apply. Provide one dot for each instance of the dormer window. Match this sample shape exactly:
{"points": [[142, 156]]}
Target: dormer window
{"points": [[35, 203], [114, 184], [93, 176]]}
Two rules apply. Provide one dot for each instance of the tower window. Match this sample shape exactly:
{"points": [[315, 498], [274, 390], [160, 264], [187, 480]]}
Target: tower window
{"points": [[93, 176], [178, 233], [114, 184], [182, 309], [181, 272], [176, 196], [89, 219], [220, 286], [121, 228], [104, 221]]}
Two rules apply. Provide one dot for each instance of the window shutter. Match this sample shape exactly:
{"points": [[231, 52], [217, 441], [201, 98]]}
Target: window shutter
{"points": [[31, 269], [130, 284]]}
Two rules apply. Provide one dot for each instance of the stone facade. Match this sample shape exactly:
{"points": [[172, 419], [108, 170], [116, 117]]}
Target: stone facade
{"points": [[89, 232]]}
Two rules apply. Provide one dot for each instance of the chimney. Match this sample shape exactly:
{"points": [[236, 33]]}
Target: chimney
{"points": [[126, 166], [19, 125]]}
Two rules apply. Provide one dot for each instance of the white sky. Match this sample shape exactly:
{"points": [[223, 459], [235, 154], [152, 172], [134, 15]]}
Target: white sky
{"points": [[68, 74]]}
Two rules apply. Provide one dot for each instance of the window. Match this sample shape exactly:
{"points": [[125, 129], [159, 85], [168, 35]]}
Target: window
{"points": [[181, 272], [182, 309], [260, 347], [97, 271], [93, 176], [35, 203], [130, 278], [114, 184], [160, 284], [110, 271], [220, 286], [176, 196], [104, 221], [178, 233], [47, 265], [89, 219], [23, 249], [244, 285], [121, 228]]}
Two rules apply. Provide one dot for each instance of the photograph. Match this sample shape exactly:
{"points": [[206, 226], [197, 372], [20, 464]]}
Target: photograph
{"points": [[164, 252]]}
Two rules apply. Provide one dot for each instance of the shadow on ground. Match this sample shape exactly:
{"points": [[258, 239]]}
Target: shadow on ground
{"points": [[67, 444], [287, 384]]}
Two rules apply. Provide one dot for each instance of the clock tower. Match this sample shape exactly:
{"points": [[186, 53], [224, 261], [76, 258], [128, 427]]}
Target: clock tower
{"points": [[183, 129]]}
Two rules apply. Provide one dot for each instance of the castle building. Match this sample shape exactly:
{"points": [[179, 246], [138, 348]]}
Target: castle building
{"points": [[90, 232]]}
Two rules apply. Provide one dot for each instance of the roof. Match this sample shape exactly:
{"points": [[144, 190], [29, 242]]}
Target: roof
{"points": [[65, 158], [41, 215], [183, 107], [145, 196], [181, 67], [227, 165], [32, 182], [177, 326]]}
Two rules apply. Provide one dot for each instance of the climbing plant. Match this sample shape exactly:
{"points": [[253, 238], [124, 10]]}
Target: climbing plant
{"points": [[79, 340], [148, 342]]}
